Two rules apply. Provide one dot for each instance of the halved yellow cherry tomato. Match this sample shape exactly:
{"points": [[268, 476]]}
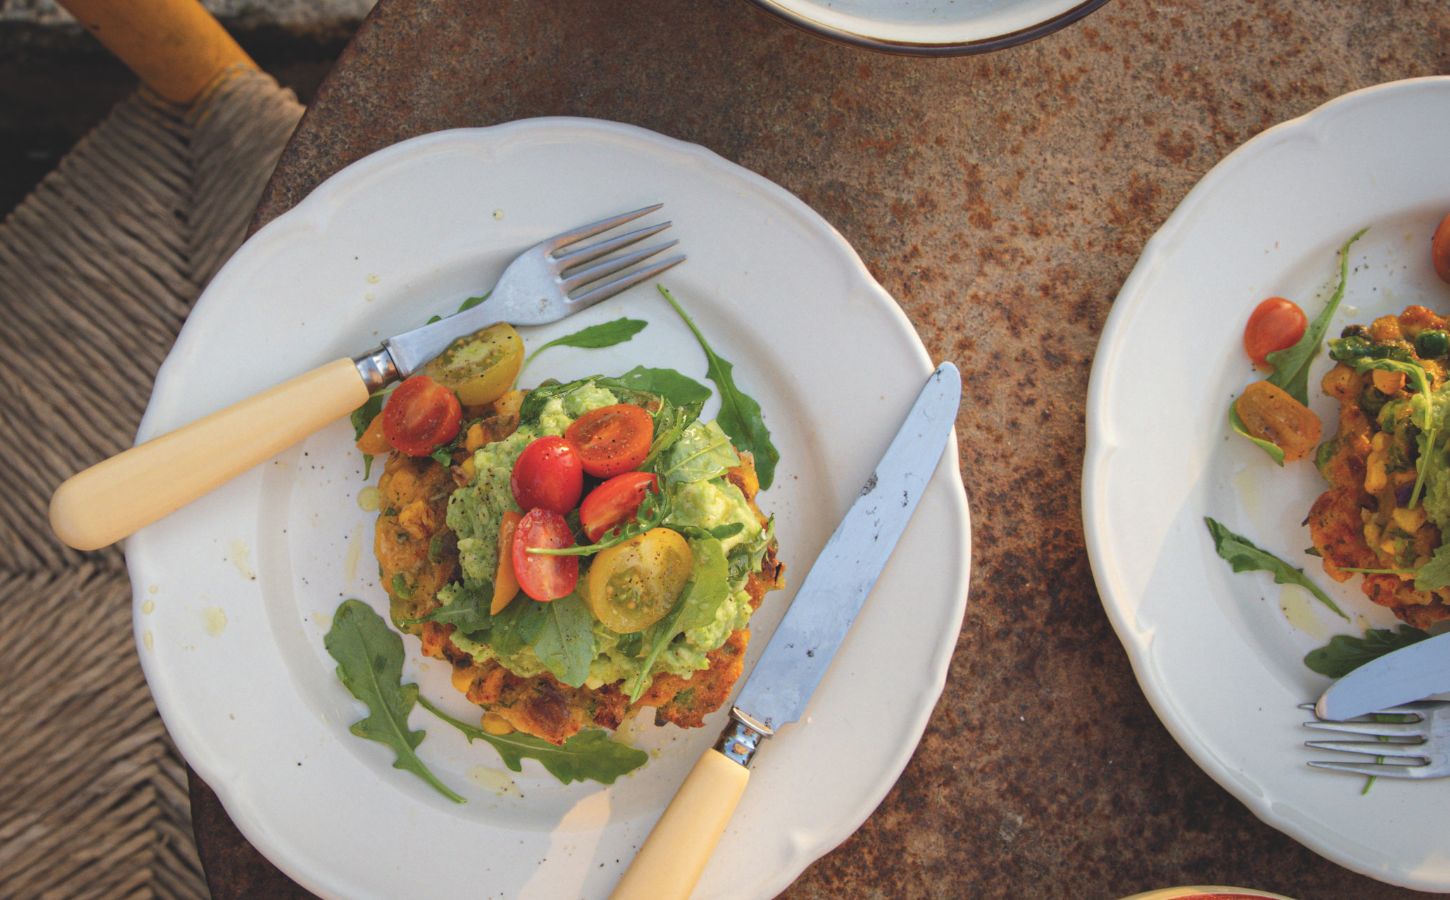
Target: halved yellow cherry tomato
{"points": [[480, 367], [505, 582], [373, 441], [633, 585]]}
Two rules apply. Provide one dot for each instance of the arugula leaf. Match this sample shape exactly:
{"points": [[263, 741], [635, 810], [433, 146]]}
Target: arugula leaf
{"points": [[370, 665], [1276, 453], [517, 625], [707, 588], [1291, 365], [467, 609], [1243, 556], [565, 643], [670, 424], [1344, 653], [739, 413], [605, 334], [681, 390], [588, 755], [1434, 574], [470, 303]]}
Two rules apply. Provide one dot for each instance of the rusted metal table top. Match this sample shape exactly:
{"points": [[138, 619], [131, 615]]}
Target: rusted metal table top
{"points": [[1002, 200]]}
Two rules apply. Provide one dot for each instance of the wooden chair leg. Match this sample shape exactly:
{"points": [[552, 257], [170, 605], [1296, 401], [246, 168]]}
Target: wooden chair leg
{"points": [[175, 47]]}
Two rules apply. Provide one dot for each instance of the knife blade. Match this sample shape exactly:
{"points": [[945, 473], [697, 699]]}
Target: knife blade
{"points": [[779, 688], [1410, 673]]}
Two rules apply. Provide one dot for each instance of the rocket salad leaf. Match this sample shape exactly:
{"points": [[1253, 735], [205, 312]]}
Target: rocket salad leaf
{"points": [[605, 334], [739, 413], [1291, 366], [1344, 653], [588, 755], [1243, 556], [370, 665]]}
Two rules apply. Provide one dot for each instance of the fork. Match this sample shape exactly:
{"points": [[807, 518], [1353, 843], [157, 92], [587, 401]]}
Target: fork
{"points": [[549, 281], [1416, 746]]}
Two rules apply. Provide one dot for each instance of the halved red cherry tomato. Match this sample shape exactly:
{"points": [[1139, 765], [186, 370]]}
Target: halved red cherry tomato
{"points": [[612, 439], [420, 416], [548, 475], [544, 578], [1440, 250], [614, 501], [1275, 324]]}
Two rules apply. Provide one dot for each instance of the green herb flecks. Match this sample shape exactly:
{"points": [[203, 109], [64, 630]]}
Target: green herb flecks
{"points": [[1344, 653], [739, 413], [370, 665], [1243, 556], [589, 755], [605, 334]]}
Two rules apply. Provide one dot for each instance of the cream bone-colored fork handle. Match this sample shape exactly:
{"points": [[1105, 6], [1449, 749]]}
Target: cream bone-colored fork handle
{"points": [[129, 491], [669, 863]]}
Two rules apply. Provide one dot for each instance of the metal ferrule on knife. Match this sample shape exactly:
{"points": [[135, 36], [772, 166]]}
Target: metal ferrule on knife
{"points": [[377, 369], [741, 738]]}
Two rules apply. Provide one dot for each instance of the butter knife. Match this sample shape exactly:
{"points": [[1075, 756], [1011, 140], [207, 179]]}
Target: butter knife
{"points": [[794, 662], [1410, 673]]}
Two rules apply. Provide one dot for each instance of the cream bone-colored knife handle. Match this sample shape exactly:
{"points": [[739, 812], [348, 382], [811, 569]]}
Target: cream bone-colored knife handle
{"points": [[670, 862], [129, 491]]}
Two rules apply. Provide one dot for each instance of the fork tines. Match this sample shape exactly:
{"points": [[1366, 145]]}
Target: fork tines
{"points": [[574, 274], [1411, 744]]}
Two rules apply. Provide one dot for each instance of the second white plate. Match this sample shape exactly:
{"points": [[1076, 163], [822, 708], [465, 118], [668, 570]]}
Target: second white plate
{"points": [[1219, 654]]}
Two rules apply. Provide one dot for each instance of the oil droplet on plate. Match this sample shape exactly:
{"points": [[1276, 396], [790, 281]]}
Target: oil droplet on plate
{"points": [[1301, 610], [322, 620], [1246, 485], [373, 279], [147, 640], [148, 607], [368, 499], [216, 620], [494, 780], [239, 556], [498, 215], [354, 552]]}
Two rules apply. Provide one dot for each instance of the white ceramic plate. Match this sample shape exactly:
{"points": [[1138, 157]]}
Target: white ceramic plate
{"points": [[234, 593], [932, 27], [1219, 654]]}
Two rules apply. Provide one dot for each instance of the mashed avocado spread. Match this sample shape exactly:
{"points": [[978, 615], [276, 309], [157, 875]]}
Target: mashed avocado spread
{"points": [[702, 503]]}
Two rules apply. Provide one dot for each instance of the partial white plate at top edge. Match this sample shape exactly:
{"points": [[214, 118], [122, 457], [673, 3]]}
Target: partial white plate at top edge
{"points": [[1219, 654], [234, 593], [933, 26]]}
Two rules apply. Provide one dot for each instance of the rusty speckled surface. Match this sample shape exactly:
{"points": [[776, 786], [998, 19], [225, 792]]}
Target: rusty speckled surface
{"points": [[1002, 200]]}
